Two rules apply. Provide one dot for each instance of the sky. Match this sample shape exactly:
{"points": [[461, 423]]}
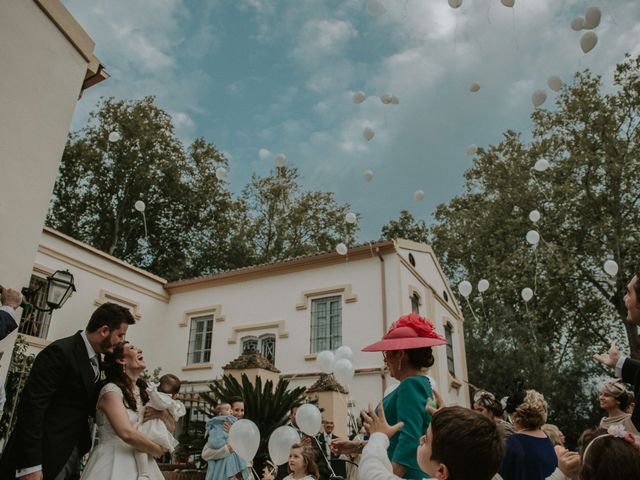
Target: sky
{"points": [[262, 77]]}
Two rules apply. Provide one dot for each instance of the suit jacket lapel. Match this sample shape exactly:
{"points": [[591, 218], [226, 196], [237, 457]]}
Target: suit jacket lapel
{"points": [[84, 366]]}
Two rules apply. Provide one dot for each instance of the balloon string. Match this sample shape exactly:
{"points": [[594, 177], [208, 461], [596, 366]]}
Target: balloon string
{"points": [[333, 474], [544, 194], [254, 473], [535, 277], [351, 421], [471, 308]]}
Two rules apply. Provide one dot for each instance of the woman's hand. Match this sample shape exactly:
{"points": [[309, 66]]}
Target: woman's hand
{"points": [[378, 422]]}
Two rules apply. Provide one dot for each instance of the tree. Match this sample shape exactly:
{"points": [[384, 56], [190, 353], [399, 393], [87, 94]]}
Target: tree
{"points": [[406, 227], [588, 201]]}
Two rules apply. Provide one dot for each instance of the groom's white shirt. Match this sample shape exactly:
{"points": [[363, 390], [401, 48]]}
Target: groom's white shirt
{"points": [[91, 353]]}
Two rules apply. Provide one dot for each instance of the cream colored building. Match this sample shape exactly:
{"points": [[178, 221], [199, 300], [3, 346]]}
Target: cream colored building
{"points": [[288, 310], [47, 61]]}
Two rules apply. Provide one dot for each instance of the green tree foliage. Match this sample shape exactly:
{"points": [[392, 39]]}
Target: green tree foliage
{"points": [[588, 200], [407, 227], [266, 405]]}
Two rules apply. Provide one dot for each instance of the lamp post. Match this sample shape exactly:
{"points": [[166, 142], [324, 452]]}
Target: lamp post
{"points": [[60, 286]]}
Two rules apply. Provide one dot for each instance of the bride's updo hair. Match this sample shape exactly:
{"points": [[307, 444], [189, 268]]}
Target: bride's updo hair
{"points": [[115, 373]]}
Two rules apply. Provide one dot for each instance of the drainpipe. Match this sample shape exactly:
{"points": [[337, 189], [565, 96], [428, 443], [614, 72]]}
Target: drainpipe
{"points": [[383, 288]]}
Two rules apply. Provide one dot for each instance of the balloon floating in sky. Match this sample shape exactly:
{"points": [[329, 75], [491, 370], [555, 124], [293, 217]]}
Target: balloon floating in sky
{"points": [[533, 237], [375, 8], [474, 87], [534, 216], [368, 133], [264, 154], [139, 206], [280, 159], [386, 98], [611, 268], [592, 18], [359, 97], [455, 3], [577, 24], [554, 83], [464, 287], [114, 136], [507, 3], [341, 248], [483, 285], [368, 175], [221, 173], [350, 217], [538, 98], [394, 100], [588, 41], [541, 165], [418, 195], [472, 149], [527, 294]]}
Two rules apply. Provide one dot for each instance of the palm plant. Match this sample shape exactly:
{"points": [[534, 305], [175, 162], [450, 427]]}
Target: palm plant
{"points": [[267, 406]]}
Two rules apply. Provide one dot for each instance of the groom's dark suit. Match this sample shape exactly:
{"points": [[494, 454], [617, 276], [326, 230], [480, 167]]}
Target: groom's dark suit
{"points": [[53, 414]]}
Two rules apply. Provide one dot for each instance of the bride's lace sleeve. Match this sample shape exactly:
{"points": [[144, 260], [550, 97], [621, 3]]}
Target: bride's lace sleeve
{"points": [[110, 387]]}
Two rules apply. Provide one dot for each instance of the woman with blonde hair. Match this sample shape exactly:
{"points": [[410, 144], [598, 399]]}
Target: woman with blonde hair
{"points": [[614, 399], [530, 454]]}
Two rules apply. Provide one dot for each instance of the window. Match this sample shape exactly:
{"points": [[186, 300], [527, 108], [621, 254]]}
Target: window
{"points": [[249, 343], [326, 324], [33, 322], [200, 338], [266, 345], [412, 260], [448, 333], [415, 303]]}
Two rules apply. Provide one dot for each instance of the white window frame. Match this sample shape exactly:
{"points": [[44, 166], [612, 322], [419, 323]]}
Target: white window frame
{"points": [[332, 339], [201, 348]]}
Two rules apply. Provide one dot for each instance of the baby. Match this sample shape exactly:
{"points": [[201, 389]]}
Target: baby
{"points": [[161, 397], [231, 466]]}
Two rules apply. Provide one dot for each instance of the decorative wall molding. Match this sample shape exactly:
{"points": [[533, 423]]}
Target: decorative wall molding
{"points": [[235, 331], [345, 290], [198, 366], [107, 296], [215, 310]]}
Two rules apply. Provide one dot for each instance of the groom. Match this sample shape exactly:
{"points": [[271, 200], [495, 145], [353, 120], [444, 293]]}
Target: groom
{"points": [[52, 430]]}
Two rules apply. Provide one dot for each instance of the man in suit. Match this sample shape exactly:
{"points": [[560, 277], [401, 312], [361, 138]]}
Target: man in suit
{"points": [[11, 300], [627, 368], [324, 438], [52, 429]]}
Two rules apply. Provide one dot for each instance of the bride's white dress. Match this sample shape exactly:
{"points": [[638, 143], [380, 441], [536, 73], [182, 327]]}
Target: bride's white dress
{"points": [[111, 458]]}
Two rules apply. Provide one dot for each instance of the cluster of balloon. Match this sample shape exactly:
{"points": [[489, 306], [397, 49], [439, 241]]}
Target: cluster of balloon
{"points": [[474, 87], [590, 21], [533, 238], [341, 249], [389, 99], [534, 216], [244, 437], [280, 159], [527, 294], [280, 443], [350, 217], [368, 133], [338, 363], [221, 173], [611, 268], [418, 195], [114, 136], [376, 8], [472, 149]]}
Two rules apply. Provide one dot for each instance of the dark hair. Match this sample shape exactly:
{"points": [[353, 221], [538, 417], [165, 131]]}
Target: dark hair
{"points": [[309, 457], [111, 315], [420, 357], [610, 458], [169, 383], [236, 399], [469, 444], [114, 373]]}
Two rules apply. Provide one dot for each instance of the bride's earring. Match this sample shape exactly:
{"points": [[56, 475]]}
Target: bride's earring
{"points": [[400, 364]]}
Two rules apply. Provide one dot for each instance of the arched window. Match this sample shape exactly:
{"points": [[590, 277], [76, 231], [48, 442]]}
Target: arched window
{"points": [[415, 302]]}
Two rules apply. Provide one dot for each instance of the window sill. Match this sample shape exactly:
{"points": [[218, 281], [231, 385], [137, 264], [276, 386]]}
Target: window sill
{"points": [[311, 357], [35, 341], [198, 366]]}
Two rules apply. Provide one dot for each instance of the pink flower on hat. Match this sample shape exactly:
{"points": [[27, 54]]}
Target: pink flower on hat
{"points": [[417, 323]]}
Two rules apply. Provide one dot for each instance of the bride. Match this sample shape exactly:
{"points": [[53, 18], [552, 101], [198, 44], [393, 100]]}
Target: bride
{"points": [[119, 410]]}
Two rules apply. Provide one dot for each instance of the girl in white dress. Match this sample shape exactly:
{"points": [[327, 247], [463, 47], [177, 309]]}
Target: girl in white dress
{"points": [[302, 464], [118, 413]]}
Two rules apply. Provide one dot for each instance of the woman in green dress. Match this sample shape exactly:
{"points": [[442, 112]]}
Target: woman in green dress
{"points": [[407, 352]]}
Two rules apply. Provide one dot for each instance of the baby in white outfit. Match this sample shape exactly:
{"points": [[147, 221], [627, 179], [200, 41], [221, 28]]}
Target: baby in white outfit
{"points": [[161, 397]]}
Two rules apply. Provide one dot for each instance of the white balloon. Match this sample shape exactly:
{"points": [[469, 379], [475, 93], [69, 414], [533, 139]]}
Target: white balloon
{"points": [[341, 248], [464, 287], [326, 361], [368, 133], [507, 3], [538, 97], [309, 419], [375, 8], [418, 195], [386, 98], [611, 268], [280, 443], [472, 149], [483, 285], [455, 3], [221, 173], [588, 41], [541, 165], [395, 100], [534, 216], [280, 159], [264, 154], [592, 18], [554, 83], [577, 24], [350, 217], [244, 437], [359, 97], [114, 136], [343, 371], [368, 175], [474, 87], [533, 237], [527, 294], [139, 206], [344, 352]]}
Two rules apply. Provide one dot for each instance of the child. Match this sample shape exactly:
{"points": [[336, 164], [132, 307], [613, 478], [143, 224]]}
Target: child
{"points": [[612, 455], [452, 430], [161, 397], [302, 464], [231, 466]]}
